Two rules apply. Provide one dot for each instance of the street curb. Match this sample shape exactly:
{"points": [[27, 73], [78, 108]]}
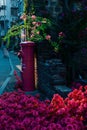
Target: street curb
{"points": [[9, 76]]}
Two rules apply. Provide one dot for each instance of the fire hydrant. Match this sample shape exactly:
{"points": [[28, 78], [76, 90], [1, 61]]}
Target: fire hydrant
{"points": [[28, 71]]}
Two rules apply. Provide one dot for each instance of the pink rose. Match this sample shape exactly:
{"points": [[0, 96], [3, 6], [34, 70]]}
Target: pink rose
{"points": [[61, 34], [34, 23], [23, 17], [33, 17], [48, 37]]}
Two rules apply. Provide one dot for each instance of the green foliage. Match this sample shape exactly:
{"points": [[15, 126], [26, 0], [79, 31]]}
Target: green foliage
{"points": [[36, 29], [35, 26], [12, 32], [55, 46]]}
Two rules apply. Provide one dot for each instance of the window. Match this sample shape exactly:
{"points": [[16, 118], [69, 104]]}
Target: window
{"points": [[14, 12]]}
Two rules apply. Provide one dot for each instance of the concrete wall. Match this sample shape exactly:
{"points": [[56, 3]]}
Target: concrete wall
{"points": [[5, 14]]}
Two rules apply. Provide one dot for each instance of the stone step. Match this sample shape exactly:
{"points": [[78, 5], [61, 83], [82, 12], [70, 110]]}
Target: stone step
{"points": [[48, 92], [58, 82], [56, 77], [62, 90]]}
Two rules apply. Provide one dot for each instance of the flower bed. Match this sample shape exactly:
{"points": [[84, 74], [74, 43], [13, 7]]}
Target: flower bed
{"points": [[25, 112]]}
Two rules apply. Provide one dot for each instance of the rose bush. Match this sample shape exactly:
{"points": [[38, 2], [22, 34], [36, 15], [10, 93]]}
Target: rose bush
{"points": [[31, 27], [34, 28], [25, 112]]}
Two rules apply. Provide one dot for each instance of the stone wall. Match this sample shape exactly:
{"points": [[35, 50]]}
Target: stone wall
{"points": [[51, 71], [81, 63], [54, 7], [51, 74]]}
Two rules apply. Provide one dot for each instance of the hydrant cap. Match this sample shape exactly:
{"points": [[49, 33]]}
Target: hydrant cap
{"points": [[27, 43]]}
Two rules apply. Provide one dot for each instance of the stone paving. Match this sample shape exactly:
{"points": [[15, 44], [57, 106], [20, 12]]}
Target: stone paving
{"points": [[8, 62], [4, 67], [14, 61]]}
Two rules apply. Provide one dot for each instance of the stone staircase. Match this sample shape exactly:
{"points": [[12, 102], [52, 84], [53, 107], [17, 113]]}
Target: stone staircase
{"points": [[52, 78]]}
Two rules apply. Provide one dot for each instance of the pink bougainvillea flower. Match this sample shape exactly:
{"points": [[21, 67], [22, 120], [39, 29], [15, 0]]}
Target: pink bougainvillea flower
{"points": [[59, 127], [47, 101], [19, 111], [57, 101], [43, 128], [85, 87], [37, 96], [69, 127]]}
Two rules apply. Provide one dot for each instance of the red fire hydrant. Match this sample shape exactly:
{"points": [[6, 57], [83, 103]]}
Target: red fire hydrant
{"points": [[28, 71]]}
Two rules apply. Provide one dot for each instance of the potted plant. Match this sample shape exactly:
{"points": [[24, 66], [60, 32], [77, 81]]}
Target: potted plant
{"points": [[33, 28]]}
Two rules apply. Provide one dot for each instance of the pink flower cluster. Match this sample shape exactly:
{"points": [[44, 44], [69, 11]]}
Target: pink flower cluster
{"points": [[36, 27], [77, 103], [75, 85], [25, 112]]}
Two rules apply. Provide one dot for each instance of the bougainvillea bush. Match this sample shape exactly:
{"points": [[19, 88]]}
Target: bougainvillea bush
{"points": [[25, 112]]}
